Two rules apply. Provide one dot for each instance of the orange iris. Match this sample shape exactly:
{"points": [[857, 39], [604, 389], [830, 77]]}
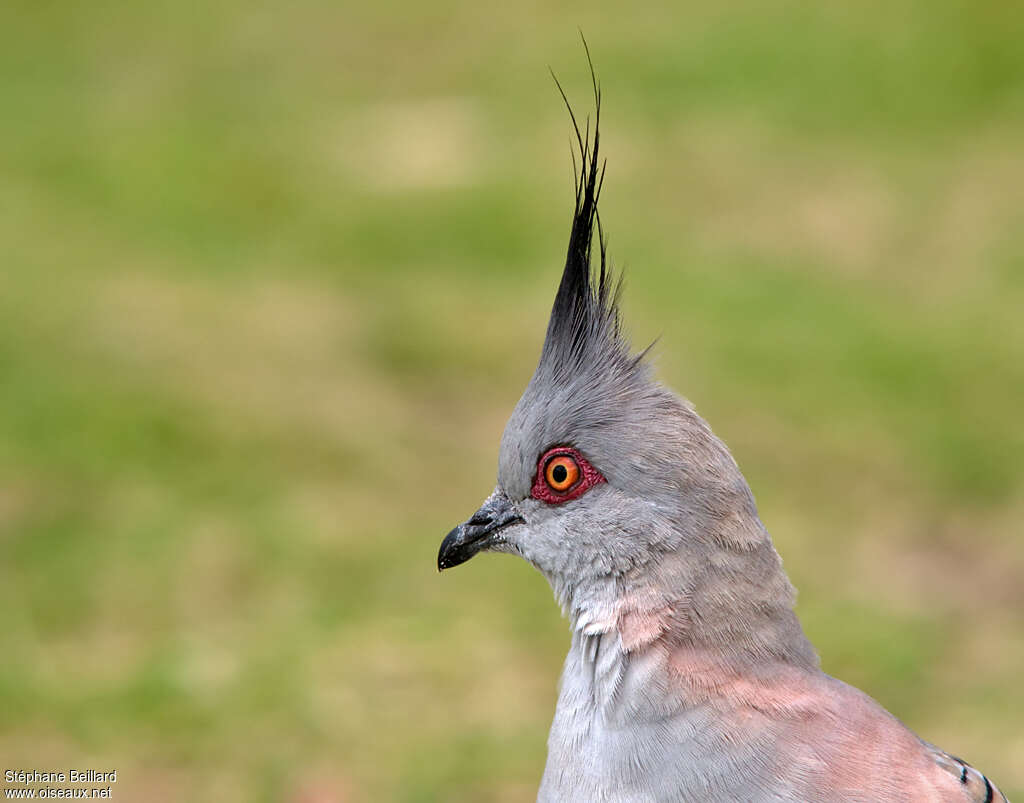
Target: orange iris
{"points": [[561, 473]]}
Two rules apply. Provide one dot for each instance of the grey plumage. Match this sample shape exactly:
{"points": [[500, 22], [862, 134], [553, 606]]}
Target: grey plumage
{"points": [[688, 676]]}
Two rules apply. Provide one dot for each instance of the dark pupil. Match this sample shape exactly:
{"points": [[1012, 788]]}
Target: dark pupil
{"points": [[559, 473]]}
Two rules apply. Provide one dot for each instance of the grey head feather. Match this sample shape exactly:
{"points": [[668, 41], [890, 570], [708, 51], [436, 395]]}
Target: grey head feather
{"points": [[586, 371], [589, 389]]}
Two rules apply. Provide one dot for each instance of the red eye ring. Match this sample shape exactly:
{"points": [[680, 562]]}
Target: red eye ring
{"points": [[563, 474]]}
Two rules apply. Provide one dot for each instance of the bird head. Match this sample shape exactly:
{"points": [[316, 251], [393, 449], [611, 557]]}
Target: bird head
{"points": [[602, 471]]}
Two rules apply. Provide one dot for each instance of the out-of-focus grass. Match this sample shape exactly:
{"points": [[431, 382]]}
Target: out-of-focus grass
{"points": [[273, 276]]}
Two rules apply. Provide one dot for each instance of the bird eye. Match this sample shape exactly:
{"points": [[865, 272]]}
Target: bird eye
{"points": [[561, 472]]}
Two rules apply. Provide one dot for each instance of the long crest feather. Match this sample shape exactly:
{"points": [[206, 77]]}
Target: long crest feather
{"points": [[585, 313]]}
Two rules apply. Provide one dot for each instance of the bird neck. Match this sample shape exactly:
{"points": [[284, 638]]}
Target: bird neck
{"points": [[647, 651], [724, 596]]}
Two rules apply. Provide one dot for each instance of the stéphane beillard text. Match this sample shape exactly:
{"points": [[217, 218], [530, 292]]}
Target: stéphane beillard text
{"points": [[66, 776]]}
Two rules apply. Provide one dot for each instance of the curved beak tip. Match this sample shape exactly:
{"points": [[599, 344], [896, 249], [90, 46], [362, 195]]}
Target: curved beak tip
{"points": [[454, 549]]}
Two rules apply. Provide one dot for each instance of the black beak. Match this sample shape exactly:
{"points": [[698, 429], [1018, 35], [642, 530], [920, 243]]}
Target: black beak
{"points": [[477, 533]]}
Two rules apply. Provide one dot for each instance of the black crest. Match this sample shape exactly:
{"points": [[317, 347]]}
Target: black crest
{"points": [[584, 322]]}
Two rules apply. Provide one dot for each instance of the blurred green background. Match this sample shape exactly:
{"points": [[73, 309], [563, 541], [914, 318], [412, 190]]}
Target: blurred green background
{"points": [[272, 276]]}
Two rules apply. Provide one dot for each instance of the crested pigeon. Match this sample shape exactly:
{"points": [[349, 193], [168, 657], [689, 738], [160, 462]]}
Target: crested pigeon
{"points": [[689, 677]]}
